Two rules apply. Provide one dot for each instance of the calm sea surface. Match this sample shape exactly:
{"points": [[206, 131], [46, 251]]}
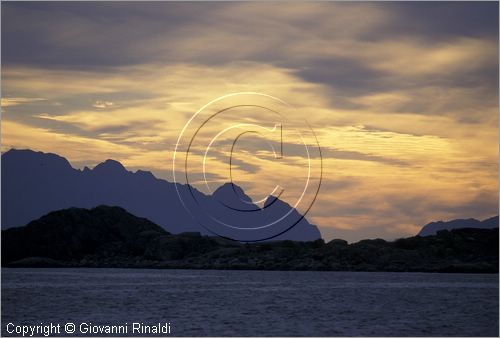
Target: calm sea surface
{"points": [[253, 303]]}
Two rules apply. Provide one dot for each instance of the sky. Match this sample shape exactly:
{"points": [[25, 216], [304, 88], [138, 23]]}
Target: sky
{"points": [[402, 98]]}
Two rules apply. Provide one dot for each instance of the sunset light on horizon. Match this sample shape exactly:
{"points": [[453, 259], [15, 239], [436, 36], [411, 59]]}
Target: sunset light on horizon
{"points": [[402, 97]]}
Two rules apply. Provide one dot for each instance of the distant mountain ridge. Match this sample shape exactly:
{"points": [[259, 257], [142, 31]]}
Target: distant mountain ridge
{"points": [[36, 183], [433, 227]]}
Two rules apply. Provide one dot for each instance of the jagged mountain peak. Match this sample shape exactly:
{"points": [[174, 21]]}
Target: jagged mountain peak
{"points": [[271, 199], [28, 157], [110, 166], [230, 192], [145, 173]]}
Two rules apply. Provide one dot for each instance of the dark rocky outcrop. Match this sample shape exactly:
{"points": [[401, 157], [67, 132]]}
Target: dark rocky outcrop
{"points": [[111, 237]]}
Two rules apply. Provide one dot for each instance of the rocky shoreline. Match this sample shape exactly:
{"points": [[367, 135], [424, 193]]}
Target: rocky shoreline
{"points": [[109, 237]]}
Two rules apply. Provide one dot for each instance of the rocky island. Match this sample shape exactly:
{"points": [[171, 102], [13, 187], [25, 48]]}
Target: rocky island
{"points": [[111, 237]]}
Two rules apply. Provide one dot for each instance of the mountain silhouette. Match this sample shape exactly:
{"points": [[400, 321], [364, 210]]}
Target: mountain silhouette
{"points": [[234, 197], [433, 227], [36, 183]]}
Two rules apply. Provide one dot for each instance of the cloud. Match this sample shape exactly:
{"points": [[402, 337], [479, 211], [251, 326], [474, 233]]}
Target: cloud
{"points": [[102, 104], [15, 101], [403, 98], [77, 149], [197, 32]]}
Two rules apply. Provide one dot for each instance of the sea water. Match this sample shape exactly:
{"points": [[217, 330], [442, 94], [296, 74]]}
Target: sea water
{"points": [[249, 303]]}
